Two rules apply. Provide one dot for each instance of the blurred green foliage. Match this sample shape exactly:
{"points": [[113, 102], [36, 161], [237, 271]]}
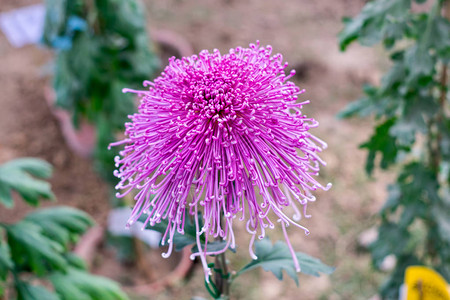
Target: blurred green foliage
{"points": [[35, 251], [412, 113], [101, 47]]}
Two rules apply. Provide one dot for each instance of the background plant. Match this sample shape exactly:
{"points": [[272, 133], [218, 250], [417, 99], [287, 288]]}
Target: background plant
{"points": [[35, 251], [412, 114], [101, 46]]}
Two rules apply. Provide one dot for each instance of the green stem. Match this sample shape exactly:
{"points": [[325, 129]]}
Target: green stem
{"points": [[222, 277]]}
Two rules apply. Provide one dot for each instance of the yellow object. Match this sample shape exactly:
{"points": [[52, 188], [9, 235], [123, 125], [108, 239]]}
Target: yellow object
{"points": [[423, 283]]}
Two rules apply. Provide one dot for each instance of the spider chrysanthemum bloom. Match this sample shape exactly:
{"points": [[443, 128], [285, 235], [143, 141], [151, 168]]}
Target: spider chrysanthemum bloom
{"points": [[222, 135]]}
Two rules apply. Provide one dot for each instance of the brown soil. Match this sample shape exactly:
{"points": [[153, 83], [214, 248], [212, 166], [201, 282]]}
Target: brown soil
{"points": [[305, 32]]}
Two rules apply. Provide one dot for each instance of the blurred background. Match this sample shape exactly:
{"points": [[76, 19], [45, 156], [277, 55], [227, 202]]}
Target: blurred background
{"points": [[305, 33]]}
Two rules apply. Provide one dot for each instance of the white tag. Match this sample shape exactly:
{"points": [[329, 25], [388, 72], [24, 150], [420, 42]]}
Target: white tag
{"points": [[24, 25], [117, 220]]}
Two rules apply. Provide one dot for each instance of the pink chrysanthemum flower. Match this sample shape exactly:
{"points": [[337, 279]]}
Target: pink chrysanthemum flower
{"points": [[213, 132]]}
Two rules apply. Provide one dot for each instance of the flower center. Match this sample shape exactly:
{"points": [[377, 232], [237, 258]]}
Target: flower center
{"points": [[211, 95]]}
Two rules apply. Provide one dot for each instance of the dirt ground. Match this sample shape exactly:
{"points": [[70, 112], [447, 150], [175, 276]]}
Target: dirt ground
{"points": [[305, 33]]}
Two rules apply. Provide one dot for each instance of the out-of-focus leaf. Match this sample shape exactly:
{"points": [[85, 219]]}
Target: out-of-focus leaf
{"points": [[79, 285], [440, 37], [26, 291], [276, 258], [31, 249], [420, 64], [62, 224], [102, 47], [391, 240], [374, 22], [381, 142], [393, 200], [6, 264], [75, 261], [15, 175]]}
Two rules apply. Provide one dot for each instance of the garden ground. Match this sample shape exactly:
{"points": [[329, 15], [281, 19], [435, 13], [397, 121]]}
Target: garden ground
{"points": [[305, 32]]}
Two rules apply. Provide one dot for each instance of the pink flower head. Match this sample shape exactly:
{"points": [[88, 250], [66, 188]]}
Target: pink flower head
{"points": [[222, 135]]}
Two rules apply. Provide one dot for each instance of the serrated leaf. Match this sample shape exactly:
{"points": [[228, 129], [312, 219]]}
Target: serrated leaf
{"points": [[440, 37], [393, 200], [418, 182], [392, 239], [62, 224], [15, 175], [31, 249], [393, 78], [374, 22], [276, 258], [79, 285], [383, 143], [26, 291], [375, 103], [420, 65], [441, 215]]}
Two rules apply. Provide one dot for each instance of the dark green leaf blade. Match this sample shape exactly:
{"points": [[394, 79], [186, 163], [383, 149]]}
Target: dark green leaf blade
{"points": [[30, 249], [276, 258], [79, 285], [6, 264], [26, 291], [36, 167], [15, 175], [62, 224]]}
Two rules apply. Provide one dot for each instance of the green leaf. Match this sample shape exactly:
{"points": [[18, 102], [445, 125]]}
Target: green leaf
{"points": [[441, 215], [383, 143], [440, 37], [276, 258], [62, 224], [79, 285], [5, 259], [6, 264], [31, 249], [420, 64], [444, 129], [375, 22], [26, 291], [393, 78], [14, 175], [377, 103], [36, 167], [393, 200], [75, 261], [392, 239], [418, 183]]}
